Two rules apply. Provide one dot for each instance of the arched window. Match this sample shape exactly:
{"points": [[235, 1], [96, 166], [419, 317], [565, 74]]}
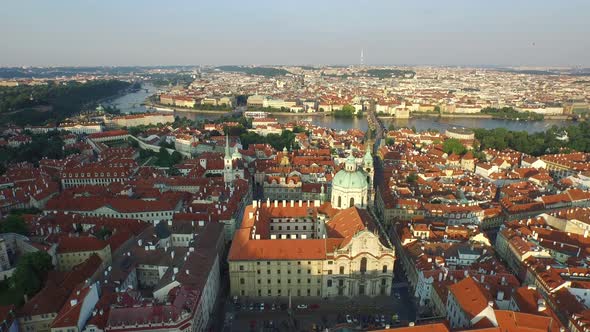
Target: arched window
{"points": [[342, 270], [339, 201], [363, 265], [384, 268], [351, 202]]}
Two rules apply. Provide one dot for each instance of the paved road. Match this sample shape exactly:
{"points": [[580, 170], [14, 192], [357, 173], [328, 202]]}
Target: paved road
{"points": [[326, 313]]}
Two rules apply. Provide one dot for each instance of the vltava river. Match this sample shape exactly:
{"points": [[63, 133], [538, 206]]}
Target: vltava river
{"points": [[130, 103]]}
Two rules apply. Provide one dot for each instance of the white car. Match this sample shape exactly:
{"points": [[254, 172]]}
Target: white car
{"points": [[302, 306], [348, 319]]}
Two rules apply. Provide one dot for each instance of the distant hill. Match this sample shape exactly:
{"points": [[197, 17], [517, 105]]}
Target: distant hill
{"points": [[53, 102], [262, 71]]}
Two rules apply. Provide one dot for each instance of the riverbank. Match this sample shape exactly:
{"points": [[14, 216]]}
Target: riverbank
{"points": [[168, 108], [476, 116]]}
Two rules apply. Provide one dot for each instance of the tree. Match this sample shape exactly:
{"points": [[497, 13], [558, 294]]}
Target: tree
{"points": [[31, 270], [14, 224], [453, 145], [104, 233], [412, 178]]}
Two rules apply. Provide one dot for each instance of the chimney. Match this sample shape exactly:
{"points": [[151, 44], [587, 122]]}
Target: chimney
{"points": [[541, 306]]}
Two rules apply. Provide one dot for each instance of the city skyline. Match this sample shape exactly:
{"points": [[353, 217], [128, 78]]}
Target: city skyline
{"points": [[457, 33]]}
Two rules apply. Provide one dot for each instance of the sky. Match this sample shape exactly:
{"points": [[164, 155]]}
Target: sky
{"points": [[391, 32]]}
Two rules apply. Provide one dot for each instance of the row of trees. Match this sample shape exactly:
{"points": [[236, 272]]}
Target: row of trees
{"points": [[511, 114]]}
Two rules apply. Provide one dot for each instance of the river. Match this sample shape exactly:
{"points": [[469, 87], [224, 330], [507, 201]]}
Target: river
{"points": [[131, 103]]}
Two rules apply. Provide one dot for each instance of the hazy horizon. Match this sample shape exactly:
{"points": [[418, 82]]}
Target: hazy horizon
{"points": [[183, 33]]}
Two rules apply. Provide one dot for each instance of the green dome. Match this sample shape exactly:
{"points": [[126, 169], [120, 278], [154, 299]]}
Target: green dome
{"points": [[350, 180]]}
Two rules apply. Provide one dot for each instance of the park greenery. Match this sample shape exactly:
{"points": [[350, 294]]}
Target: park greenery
{"points": [[285, 140], [555, 139], [27, 279], [454, 146], [509, 113], [347, 111], [49, 145], [31, 271], [262, 71], [39, 104], [389, 73], [14, 223], [163, 158]]}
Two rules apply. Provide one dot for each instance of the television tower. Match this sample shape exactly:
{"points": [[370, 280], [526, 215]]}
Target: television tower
{"points": [[362, 57]]}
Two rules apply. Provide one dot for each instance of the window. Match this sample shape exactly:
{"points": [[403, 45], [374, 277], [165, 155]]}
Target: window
{"points": [[278, 271], [259, 292], [278, 281], [288, 281], [267, 271], [298, 271], [309, 281], [384, 268], [242, 281], [257, 271], [342, 270], [363, 265], [330, 262], [329, 282], [268, 281], [351, 202], [329, 271], [259, 281]]}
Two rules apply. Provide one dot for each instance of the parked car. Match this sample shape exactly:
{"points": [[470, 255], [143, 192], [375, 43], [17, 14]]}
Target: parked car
{"points": [[348, 319], [302, 306]]}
